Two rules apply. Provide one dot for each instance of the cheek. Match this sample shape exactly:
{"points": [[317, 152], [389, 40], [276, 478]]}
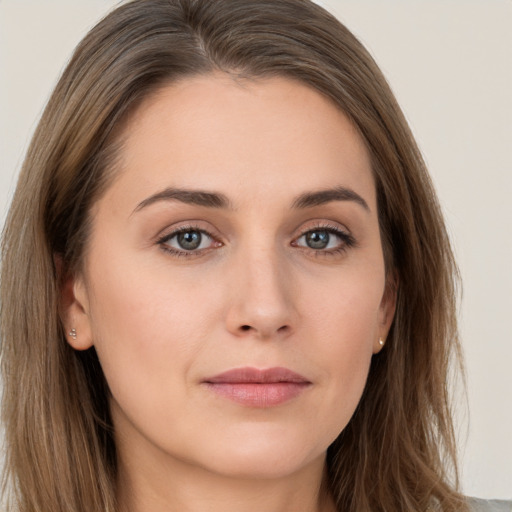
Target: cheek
{"points": [[140, 301], [147, 328], [343, 321], [345, 310], [150, 329]]}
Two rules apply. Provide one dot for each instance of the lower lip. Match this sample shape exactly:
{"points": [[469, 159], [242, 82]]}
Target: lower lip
{"points": [[262, 395]]}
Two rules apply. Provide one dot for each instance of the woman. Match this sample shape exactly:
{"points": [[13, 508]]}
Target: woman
{"points": [[226, 282]]}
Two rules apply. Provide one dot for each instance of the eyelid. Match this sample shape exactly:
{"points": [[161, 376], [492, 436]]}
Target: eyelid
{"points": [[188, 225], [346, 238], [326, 225], [170, 233]]}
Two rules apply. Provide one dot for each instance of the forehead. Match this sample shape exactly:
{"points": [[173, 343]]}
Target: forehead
{"points": [[249, 138]]}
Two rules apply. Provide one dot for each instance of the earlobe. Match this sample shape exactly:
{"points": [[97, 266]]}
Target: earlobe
{"points": [[74, 308]]}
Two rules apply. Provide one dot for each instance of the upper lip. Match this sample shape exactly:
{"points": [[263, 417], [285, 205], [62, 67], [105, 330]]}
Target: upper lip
{"points": [[257, 376]]}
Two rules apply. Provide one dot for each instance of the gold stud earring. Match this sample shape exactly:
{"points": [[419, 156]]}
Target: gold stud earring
{"points": [[72, 333]]}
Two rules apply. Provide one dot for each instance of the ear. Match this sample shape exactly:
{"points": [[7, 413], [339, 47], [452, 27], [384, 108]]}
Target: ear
{"points": [[73, 307], [386, 311]]}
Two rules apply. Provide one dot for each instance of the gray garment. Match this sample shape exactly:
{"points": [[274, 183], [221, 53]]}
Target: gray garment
{"points": [[478, 505]]}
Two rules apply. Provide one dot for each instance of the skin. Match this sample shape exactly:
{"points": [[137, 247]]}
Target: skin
{"points": [[253, 294]]}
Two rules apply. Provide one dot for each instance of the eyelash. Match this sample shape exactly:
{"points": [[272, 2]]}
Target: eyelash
{"points": [[162, 241], [347, 241]]}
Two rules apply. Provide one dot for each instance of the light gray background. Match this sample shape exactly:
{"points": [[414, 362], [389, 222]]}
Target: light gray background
{"points": [[450, 65]]}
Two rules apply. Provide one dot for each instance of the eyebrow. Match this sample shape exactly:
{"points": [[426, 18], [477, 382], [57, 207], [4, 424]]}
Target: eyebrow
{"points": [[196, 197], [311, 199], [218, 200]]}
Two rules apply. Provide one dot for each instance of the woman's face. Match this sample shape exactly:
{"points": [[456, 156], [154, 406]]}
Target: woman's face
{"points": [[234, 284]]}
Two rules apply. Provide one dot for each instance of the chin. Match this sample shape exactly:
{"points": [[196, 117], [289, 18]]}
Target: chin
{"points": [[265, 456]]}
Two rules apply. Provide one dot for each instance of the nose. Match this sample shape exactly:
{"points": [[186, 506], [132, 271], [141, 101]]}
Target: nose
{"points": [[262, 297]]}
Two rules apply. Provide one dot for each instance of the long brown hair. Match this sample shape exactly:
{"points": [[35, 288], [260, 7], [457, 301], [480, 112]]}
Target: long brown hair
{"points": [[398, 452]]}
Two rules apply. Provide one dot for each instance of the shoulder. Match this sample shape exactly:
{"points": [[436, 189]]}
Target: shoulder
{"points": [[478, 505]]}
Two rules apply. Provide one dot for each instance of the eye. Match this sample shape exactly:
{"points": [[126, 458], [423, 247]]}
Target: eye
{"points": [[318, 239], [329, 240], [187, 240]]}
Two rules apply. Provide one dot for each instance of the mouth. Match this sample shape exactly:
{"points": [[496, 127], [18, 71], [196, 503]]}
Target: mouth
{"points": [[257, 388]]}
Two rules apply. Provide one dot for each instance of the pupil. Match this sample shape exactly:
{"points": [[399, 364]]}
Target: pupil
{"points": [[189, 240], [317, 239]]}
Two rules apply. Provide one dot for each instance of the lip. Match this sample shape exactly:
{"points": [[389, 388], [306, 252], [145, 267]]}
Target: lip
{"points": [[260, 388]]}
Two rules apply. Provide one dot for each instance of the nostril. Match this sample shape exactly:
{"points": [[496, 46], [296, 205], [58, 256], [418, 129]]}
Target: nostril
{"points": [[246, 327]]}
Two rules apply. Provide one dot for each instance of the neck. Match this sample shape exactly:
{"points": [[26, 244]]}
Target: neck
{"points": [[179, 486]]}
